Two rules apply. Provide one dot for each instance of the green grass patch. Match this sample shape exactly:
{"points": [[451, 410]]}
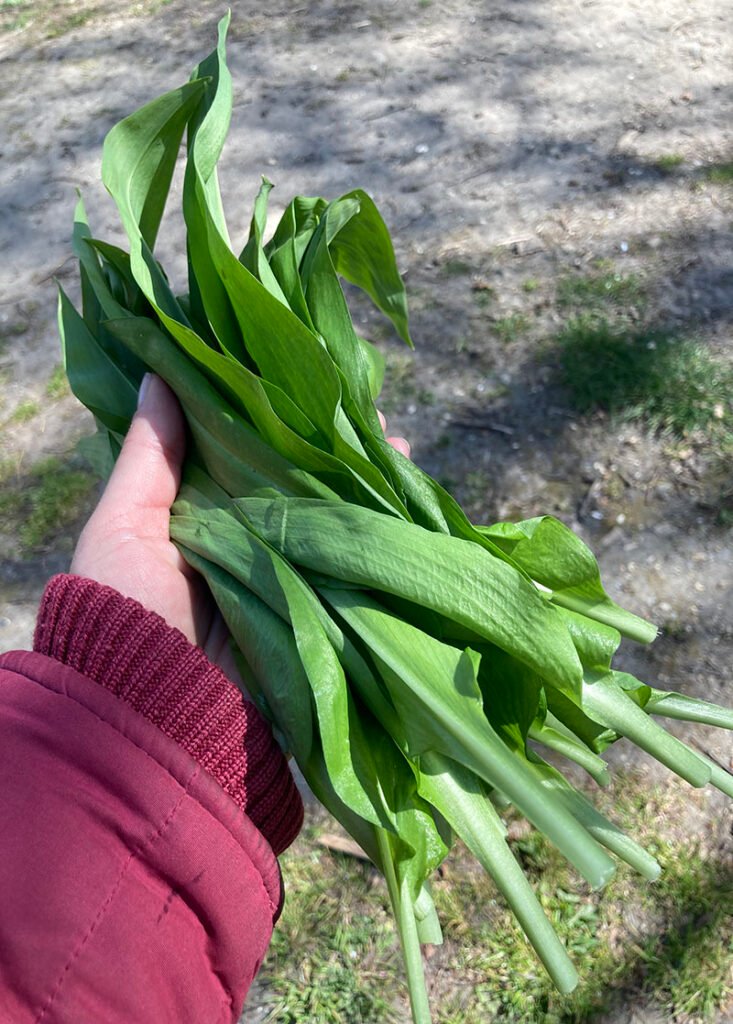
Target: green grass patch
{"points": [[24, 412], [610, 358], [583, 292], [669, 163], [510, 328], [334, 957], [57, 385], [54, 18], [671, 382], [40, 506], [669, 944], [455, 268], [484, 294], [720, 174]]}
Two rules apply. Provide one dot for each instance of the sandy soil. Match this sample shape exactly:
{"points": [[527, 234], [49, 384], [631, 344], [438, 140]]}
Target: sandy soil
{"points": [[505, 143]]}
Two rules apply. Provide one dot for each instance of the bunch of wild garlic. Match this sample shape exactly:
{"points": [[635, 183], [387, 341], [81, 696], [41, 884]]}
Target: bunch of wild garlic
{"points": [[404, 655]]}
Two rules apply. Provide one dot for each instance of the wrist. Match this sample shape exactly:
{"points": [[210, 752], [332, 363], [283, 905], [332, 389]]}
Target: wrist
{"points": [[151, 666]]}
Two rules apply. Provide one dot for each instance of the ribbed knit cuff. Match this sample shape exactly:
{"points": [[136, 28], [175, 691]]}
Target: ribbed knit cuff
{"points": [[150, 665]]}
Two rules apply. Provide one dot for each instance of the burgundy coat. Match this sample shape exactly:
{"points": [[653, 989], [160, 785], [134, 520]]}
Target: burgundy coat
{"points": [[142, 805]]}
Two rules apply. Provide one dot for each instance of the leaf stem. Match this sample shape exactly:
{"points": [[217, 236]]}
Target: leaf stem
{"points": [[406, 925]]}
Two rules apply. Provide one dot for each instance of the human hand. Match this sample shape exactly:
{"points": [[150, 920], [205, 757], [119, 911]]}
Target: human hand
{"points": [[126, 545], [399, 443]]}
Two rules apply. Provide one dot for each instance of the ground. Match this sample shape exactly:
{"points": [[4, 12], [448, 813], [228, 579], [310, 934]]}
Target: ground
{"points": [[557, 177]]}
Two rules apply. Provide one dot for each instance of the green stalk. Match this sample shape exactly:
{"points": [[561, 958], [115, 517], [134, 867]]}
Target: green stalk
{"points": [[688, 709], [406, 925], [602, 830], [553, 737], [628, 625], [458, 797], [610, 706]]}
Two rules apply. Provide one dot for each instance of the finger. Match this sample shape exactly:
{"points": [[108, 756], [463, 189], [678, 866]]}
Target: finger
{"points": [[400, 444], [147, 474], [382, 420]]}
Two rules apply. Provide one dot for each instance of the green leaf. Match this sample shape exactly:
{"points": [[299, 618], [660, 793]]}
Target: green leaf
{"points": [[555, 557], [349, 753], [243, 460], [362, 253], [376, 366], [456, 579], [207, 132], [596, 737], [595, 642], [139, 157], [438, 701], [285, 250], [271, 652], [329, 312], [253, 255], [512, 694], [96, 380]]}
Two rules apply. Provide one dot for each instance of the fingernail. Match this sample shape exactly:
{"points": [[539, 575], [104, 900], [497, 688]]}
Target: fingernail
{"points": [[144, 386]]}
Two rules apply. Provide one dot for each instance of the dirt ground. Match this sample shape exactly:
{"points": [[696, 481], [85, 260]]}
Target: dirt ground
{"points": [[511, 146]]}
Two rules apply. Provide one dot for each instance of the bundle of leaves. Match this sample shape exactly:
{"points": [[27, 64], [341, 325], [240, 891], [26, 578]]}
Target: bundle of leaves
{"points": [[405, 656]]}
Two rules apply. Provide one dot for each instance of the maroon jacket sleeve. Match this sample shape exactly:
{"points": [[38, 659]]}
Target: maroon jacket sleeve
{"points": [[142, 804]]}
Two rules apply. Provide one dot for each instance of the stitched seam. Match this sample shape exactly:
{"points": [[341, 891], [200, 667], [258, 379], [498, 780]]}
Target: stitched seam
{"points": [[226, 999], [150, 757], [53, 994]]}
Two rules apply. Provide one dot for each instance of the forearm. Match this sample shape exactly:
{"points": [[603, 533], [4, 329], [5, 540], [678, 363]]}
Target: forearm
{"points": [[132, 885]]}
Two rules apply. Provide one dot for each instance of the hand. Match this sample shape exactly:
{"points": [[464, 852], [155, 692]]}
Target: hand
{"points": [[125, 544], [399, 443]]}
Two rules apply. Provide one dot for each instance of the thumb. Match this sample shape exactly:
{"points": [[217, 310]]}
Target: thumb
{"points": [[147, 474]]}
